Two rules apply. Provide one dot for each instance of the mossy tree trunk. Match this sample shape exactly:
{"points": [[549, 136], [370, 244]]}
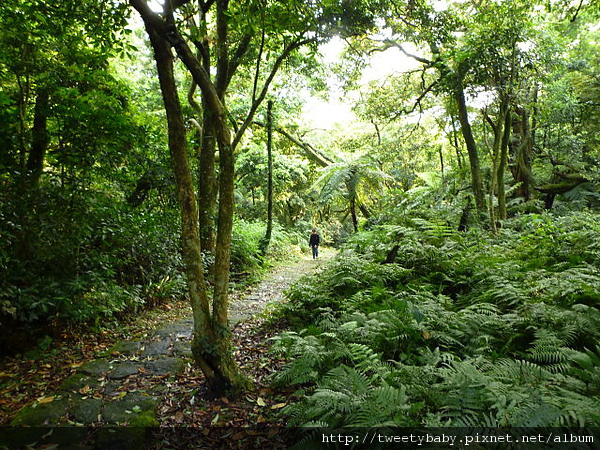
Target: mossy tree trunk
{"points": [[211, 345], [264, 245], [467, 132], [522, 150]]}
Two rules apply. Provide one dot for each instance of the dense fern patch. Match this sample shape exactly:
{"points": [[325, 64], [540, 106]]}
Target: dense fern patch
{"points": [[460, 329]]}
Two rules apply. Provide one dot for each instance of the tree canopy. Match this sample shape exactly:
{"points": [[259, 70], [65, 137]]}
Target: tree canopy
{"points": [[153, 150]]}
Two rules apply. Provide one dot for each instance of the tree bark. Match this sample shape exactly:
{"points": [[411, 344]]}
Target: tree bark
{"points": [[207, 183], [207, 179], [264, 246], [502, 212], [353, 214], [498, 158], [521, 152], [467, 133], [39, 139], [211, 344]]}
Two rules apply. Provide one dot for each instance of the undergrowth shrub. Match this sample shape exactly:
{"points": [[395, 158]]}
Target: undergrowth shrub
{"points": [[245, 252], [459, 329], [87, 260]]}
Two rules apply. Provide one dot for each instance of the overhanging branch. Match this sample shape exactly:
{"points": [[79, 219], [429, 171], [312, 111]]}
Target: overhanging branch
{"points": [[309, 151]]}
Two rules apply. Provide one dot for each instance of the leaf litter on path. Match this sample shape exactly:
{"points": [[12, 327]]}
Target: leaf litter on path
{"points": [[185, 401]]}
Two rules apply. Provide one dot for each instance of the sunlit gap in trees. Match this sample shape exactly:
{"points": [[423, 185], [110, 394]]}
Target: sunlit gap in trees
{"points": [[156, 5], [337, 108]]}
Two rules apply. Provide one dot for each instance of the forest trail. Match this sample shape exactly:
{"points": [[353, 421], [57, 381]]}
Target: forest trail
{"points": [[127, 383], [272, 288]]}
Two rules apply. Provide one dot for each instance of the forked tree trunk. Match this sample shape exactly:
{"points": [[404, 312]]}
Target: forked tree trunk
{"points": [[211, 346], [522, 150], [499, 153]]}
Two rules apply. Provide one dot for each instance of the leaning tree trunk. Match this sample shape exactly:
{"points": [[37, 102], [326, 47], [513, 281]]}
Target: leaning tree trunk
{"points": [[353, 213]]}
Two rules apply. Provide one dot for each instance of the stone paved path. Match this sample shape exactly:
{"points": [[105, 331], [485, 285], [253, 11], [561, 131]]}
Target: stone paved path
{"points": [[124, 387]]}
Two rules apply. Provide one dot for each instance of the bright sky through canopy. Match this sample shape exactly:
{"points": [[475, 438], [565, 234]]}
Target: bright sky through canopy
{"points": [[323, 114]]}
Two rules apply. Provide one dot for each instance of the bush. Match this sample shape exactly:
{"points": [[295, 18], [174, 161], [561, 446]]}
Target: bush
{"points": [[247, 236], [463, 329], [90, 258]]}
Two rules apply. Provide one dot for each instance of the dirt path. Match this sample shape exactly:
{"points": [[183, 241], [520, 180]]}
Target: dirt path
{"points": [[273, 287], [130, 381]]}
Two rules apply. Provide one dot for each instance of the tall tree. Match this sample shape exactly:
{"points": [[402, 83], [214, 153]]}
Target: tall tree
{"points": [[283, 27], [269, 231]]}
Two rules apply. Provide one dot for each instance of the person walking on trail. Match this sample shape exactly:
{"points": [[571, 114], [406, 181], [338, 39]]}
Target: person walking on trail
{"points": [[313, 242]]}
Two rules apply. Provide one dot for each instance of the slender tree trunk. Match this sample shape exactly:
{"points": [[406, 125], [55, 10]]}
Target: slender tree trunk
{"points": [[441, 164], [353, 214], [267, 238], [210, 346], [363, 209], [502, 213], [467, 133], [453, 138], [207, 183], [494, 177], [39, 138], [207, 179]]}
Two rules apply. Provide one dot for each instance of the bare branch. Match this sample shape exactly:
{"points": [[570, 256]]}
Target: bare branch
{"points": [[255, 104], [422, 60], [311, 153], [577, 11]]}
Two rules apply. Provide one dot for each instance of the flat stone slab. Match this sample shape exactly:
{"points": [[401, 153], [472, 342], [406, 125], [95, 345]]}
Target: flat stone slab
{"points": [[40, 414], [127, 348], [95, 368], [165, 366], [182, 348], [123, 369], [79, 381], [86, 410], [129, 408], [236, 318], [159, 348], [171, 330]]}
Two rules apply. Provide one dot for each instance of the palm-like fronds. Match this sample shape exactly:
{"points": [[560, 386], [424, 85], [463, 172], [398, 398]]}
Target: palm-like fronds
{"points": [[466, 330]]}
